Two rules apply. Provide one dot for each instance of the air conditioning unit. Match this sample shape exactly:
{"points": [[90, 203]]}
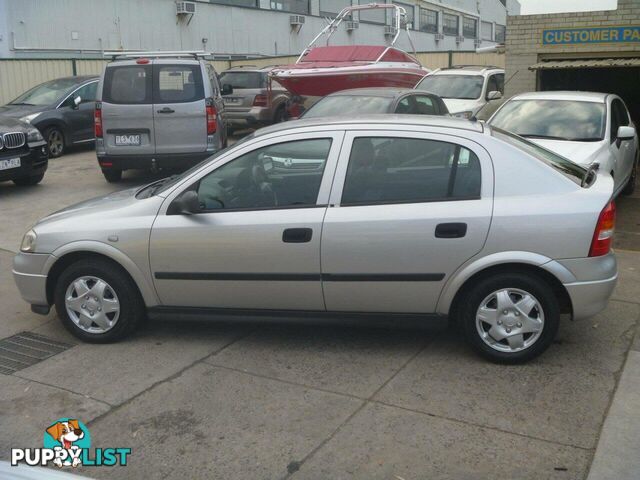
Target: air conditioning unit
{"points": [[439, 36], [389, 31], [185, 8], [459, 39], [295, 20], [351, 26]]}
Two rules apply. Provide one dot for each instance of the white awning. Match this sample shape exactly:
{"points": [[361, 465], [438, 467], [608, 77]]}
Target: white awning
{"points": [[588, 63]]}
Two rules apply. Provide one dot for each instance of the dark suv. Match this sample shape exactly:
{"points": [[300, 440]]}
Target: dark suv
{"points": [[23, 152]]}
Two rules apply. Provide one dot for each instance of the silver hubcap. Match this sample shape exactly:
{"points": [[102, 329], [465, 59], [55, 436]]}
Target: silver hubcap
{"points": [[55, 142], [92, 304], [510, 320]]}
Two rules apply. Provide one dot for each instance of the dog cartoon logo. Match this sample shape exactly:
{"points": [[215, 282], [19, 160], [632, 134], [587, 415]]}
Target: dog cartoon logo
{"points": [[70, 435]]}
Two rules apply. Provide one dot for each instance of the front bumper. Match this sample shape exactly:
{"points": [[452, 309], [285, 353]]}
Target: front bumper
{"points": [[31, 279], [595, 280], [32, 162]]}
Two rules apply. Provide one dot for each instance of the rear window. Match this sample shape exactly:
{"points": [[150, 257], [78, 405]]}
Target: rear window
{"points": [[177, 84], [572, 171], [239, 80], [129, 84]]}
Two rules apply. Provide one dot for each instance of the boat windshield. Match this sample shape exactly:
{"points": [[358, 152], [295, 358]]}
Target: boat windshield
{"points": [[342, 105], [467, 87]]}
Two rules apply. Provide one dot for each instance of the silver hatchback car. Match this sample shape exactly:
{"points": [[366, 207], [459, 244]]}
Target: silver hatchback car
{"points": [[407, 217]]}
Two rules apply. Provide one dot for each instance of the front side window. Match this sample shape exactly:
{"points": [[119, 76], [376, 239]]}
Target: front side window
{"points": [[453, 86], [87, 93], [409, 170], [568, 120], [178, 84], [619, 117], [428, 20], [130, 84], [278, 176], [450, 24], [470, 27], [417, 105]]}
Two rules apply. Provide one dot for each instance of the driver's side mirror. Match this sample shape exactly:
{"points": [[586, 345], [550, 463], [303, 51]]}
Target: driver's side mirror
{"points": [[187, 203], [227, 89], [494, 95], [625, 132], [77, 101]]}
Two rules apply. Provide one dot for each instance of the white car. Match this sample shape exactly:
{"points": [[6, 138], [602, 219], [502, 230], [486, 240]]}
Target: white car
{"points": [[467, 90], [585, 127]]}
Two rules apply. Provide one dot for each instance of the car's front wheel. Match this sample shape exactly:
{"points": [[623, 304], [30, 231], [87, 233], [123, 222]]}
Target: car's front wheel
{"points": [[55, 142], [97, 301], [510, 317]]}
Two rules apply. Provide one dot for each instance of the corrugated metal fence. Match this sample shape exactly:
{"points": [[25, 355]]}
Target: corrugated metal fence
{"points": [[17, 76]]}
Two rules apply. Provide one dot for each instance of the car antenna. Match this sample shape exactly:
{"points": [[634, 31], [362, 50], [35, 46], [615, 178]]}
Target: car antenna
{"points": [[475, 117]]}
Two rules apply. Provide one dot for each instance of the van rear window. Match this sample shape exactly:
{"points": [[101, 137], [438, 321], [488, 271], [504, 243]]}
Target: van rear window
{"points": [[127, 84], [178, 84]]}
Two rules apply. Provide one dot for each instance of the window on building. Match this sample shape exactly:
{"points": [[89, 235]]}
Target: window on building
{"points": [[295, 6], [330, 8], [237, 3], [486, 31], [501, 30], [409, 9], [450, 24], [372, 16], [428, 20], [470, 27]]}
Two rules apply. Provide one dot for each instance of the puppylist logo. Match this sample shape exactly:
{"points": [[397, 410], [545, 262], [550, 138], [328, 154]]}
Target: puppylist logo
{"points": [[67, 443]]}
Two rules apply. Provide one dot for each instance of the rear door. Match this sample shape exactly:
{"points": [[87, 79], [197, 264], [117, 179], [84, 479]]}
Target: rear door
{"points": [[179, 113], [127, 108]]}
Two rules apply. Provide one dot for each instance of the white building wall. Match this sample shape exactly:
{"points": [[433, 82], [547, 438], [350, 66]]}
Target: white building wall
{"points": [[61, 28]]}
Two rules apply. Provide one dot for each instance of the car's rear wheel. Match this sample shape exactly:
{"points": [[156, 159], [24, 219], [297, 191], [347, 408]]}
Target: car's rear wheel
{"points": [[112, 175], [510, 317], [55, 142], [27, 181], [97, 301], [630, 187]]}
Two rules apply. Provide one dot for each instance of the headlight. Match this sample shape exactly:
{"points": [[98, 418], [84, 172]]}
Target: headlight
{"points": [[33, 135], [29, 242], [29, 118], [468, 114]]}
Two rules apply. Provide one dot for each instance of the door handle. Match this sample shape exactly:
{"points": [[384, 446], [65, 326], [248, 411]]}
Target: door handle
{"points": [[297, 235], [451, 230], [166, 110]]}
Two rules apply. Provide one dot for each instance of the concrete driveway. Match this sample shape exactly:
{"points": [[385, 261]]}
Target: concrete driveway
{"points": [[266, 401]]}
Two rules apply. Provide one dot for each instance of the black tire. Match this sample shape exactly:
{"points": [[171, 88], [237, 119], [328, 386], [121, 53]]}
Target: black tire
{"points": [[279, 115], [112, 175], [630, 187], [132, 310], [55, 142], [473, 298], [28, 181]]}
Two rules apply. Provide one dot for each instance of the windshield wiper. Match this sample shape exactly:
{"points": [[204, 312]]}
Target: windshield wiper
{"points": [[23, 103], [154, 187]]}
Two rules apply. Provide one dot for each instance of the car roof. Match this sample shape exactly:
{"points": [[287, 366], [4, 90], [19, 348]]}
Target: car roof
{"points": [[249, 68], [78, 78], [378, 92], [375, 120], [596, 97]]}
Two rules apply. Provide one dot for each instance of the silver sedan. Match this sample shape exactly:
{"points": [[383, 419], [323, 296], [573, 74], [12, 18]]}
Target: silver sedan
{"points": [[404, 217]]}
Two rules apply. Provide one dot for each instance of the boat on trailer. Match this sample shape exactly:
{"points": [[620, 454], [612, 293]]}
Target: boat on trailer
{"points": [[321, 70]]}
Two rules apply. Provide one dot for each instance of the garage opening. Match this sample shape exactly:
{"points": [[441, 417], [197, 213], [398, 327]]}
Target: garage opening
{"points": [[618, 76]]}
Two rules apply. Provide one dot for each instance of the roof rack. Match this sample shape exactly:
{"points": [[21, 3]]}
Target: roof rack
{"points": [[115, 54]]}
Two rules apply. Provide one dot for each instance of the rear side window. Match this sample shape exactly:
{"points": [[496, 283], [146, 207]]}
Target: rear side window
{"points": [[130, 84], [177, 84], [409, 170]]}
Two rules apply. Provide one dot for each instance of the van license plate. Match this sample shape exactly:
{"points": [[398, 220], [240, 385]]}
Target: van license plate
{"points": [[9, 163], [127, 140]]}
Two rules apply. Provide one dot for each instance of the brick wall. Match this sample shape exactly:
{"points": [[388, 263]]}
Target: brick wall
{"points": [[524, 40]]}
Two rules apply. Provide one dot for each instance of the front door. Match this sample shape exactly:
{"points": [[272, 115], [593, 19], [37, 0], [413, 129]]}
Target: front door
{"points": [[179, 111], [623, 152], [407, 210], [256, 242], [80, 117]]}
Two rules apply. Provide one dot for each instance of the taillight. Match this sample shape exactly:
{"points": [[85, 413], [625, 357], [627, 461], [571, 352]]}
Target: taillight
{"points": [[260, 101], [97, 120], [142, 61], [603, 236], [212, 117]]}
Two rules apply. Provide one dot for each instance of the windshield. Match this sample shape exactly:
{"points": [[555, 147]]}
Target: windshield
{"points": [[46, 93], [572, 171], [243, 79], [554, 119], [349, 105], [466, 87]]}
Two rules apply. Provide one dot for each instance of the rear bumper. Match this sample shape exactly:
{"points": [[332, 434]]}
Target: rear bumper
{"points": [[248, 118], [145, 162], [33, 163]]}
